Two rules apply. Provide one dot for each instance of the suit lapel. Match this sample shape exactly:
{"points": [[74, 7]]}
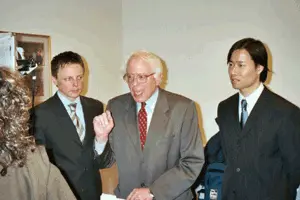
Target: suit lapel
{"points": [[64, 120], [157, 127], [131, 124], [233, 117], [158, 122], [87, 118], [256, 113]]}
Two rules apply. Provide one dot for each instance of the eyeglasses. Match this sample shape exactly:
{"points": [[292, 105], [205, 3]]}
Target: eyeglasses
{"points": [[140, 78]]}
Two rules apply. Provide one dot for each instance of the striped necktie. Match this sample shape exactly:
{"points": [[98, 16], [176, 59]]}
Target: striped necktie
{"points": [[76, 121]]}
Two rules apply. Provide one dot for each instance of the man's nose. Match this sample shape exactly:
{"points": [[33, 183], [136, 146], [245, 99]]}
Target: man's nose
{"points": [[75, 82], [134, 81], [233, 70]]}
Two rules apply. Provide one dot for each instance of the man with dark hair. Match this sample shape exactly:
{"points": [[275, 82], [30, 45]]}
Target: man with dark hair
{"points": [[64, 124], [260, 131]]}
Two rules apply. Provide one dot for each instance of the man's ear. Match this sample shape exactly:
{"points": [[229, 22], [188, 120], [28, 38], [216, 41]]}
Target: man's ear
{"points": [[54, 80], [158, 78], [259, 69]]}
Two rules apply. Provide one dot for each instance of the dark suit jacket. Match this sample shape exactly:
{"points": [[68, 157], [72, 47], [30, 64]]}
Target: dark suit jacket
{"points": [[263, 159], [76, 160], [173, 155]]}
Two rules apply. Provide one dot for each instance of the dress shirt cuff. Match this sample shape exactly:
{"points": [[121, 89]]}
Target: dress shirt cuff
{"points": [[99, 147]]}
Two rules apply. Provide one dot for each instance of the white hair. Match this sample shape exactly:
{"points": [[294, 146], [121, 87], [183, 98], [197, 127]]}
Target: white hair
{"points": [[149, 57]]}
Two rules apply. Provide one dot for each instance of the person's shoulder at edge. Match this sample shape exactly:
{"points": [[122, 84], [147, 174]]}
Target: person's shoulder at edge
{"points": [[47, 175], [280, 102]]}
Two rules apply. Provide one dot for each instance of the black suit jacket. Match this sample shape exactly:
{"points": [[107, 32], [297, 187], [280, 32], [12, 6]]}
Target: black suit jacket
{"points": [[263, 159], [76, 160]]}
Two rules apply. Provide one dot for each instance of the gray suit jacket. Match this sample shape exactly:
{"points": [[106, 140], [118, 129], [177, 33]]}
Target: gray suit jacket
{"points": [[38, 179], [173, 154]]}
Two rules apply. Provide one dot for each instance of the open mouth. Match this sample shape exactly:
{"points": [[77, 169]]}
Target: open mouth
{"points": [[137, 93]]}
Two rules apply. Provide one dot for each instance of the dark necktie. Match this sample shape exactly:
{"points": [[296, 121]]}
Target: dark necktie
{"points": [[142, 120], [244, 113]]}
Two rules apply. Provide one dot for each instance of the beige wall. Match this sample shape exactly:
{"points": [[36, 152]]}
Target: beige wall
{"points": [[90, 28], [194, 37]]}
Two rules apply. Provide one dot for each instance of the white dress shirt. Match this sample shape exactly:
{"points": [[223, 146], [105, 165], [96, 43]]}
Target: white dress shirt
{"points": [[251, 99]]}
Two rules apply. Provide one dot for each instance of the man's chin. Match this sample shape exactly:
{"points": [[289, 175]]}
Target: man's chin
{"points": [[234, 86], [138, 99], [74, 96]]}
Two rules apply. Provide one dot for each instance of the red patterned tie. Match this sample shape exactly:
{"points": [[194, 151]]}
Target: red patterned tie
{"points": [[142, 118]]}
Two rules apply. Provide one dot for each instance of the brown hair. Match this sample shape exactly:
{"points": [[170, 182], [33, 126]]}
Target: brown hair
{"points": [[61, 60], [14, 120]]}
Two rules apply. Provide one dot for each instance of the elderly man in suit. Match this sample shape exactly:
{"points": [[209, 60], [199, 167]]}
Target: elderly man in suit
{"points": [[154, 135], [260, 131], [64, 124]]}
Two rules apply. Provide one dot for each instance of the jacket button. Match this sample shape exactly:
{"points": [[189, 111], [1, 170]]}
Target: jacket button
{"points": [[238, 169]]}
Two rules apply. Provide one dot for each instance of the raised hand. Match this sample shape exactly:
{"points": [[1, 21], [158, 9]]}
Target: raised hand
{"points": [[103, 125]]}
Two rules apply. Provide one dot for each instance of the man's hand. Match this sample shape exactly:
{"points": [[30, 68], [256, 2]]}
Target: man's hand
{"points": [[140, 194], [103, 125]]}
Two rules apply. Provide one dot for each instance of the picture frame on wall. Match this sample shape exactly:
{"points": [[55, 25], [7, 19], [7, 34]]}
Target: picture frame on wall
{"points": [[32, 59]]}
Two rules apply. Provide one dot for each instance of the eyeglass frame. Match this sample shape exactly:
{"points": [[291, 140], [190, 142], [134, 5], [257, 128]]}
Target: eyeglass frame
{"points": [[140, 77]]}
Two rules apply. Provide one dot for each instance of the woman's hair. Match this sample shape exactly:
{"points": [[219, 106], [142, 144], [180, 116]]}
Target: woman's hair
{"points": [[14, 120]]}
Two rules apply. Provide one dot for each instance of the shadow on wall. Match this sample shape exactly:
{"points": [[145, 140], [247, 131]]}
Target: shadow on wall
{"points": [[164, 81], [199, 112], [86, 77], [270, 66], [200, 123]]}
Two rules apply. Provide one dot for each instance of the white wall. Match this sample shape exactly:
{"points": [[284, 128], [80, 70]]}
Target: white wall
{"points": [[194, 37], [91, 28]]}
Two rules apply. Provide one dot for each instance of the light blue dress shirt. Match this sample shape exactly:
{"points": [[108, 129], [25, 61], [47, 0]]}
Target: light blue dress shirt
{"points": [[99, 147]]}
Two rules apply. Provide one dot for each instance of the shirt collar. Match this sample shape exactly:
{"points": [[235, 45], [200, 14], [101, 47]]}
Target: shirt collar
{"points": [[67, 101], [150, 103], [253, 97]]}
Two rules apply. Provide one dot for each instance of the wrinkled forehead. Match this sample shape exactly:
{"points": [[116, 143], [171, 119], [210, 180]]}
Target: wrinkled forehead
{"points": [[138, 65]]}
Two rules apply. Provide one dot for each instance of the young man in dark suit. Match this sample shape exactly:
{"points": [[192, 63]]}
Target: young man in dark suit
{"points": [[64, 124], [260, 131]]}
